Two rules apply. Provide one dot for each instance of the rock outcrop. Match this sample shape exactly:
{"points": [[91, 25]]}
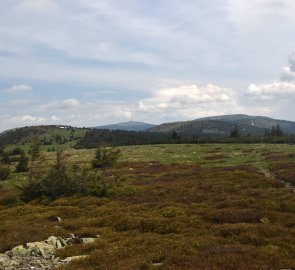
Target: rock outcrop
{"points": [[40, 255]]}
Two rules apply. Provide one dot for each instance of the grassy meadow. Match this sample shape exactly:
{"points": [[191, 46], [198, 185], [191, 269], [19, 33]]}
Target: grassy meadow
{"points": [[185, 206]]}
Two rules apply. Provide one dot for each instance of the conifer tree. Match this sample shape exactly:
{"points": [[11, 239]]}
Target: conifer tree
{"points": [[23, 164], [105, 157], [35, 152]]}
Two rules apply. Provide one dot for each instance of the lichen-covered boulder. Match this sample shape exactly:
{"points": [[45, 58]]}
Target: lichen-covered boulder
{"points": [[41, 248], [4, 258], [19, 251], [56, 242]]}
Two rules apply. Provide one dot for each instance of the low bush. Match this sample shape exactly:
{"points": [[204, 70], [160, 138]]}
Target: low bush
{"points": [[4, 172], [60, 183], [5, 158], [16, 151]]}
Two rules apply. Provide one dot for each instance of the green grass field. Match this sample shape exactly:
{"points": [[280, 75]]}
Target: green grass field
{"points": [[215, 206]]}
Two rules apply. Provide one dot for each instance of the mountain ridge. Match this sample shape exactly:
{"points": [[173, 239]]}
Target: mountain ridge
{"points": [[129, 126], [213, 126], [223, 124]]}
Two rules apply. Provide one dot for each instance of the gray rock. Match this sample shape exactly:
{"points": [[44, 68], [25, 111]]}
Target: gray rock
{"points": [[19, 251], [59, 219], [4, 258], [41, 248], [157, 264], [88, 240], [40, 255], [56, 242], [69, 259]]}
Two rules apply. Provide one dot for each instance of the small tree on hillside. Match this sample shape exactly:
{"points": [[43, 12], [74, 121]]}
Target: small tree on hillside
{"points": [[105, 157], [23, 164], [35, 154], [17, 151], [235, 133], [6, 158], [60, 181], [174, 136], [1, 150]]}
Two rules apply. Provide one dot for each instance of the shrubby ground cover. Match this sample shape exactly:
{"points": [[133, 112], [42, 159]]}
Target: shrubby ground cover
{"points": [[175, 207]]}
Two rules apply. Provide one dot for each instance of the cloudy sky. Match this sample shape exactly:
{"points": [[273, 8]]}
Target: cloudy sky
{"points": [[93, 62]]}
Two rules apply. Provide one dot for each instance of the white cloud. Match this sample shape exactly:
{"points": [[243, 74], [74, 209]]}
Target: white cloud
{"points": [[19, 88], [292, 61], [288, 73], [55, 118], [26, 119], [283, 89], [66, 104], [277, 89], [187, 96], [190, 101]]}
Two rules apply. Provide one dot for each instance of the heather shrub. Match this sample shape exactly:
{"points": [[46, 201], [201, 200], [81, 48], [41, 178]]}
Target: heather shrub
{"points": [[4, 172]]}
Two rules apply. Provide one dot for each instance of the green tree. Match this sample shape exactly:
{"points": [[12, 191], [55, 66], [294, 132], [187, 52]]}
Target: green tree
{"points": [[105, 157], [61, 182], [1, 150], [35, 154], [17, 151], [235, 133], [279, 131], [174, 136], [58, 139], [6, 158], [23, 164], [276, 131], [266, 133]]}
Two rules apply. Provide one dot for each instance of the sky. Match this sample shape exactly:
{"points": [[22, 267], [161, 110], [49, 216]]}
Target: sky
{"points": [[93, 62]]}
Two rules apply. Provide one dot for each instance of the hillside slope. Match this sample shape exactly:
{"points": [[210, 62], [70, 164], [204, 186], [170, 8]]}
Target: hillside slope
{"points": [[222, 125], [49, 135]]}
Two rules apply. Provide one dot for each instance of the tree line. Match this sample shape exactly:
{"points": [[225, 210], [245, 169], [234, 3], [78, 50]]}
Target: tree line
{"points": [[95, 138]]}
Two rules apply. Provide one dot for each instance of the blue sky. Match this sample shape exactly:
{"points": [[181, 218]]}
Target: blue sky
{"points": [[93, 62]]}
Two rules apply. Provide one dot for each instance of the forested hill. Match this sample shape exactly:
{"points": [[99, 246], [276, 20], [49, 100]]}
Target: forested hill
{"points": [[49, 135], [223, 125]]}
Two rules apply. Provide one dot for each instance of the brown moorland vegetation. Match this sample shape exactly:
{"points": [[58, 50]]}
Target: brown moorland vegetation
{"points": [[168, 216]]}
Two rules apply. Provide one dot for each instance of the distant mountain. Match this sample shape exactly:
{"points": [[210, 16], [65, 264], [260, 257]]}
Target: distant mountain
{"points": [[224, 124], [130, 126], [255, 121]]}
